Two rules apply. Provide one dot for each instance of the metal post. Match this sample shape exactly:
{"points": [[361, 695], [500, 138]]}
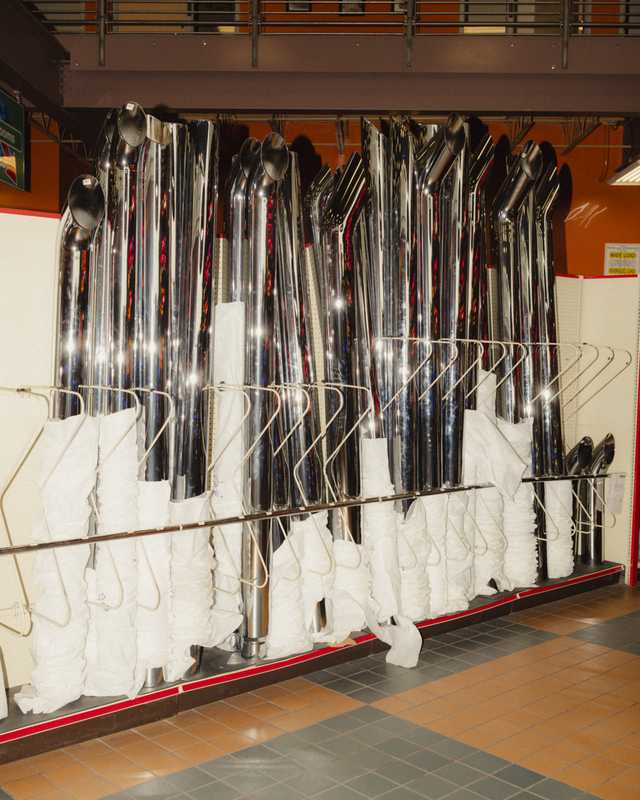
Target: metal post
{"points": [[101, 27], [564, 32], [409, 30], [255, 31]]}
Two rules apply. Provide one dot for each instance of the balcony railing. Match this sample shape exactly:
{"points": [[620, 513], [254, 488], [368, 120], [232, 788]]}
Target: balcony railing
{"points": [[299, 17]]}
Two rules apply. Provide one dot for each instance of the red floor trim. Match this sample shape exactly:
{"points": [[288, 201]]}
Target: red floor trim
{"points": [[260, 669], [24, 212]]}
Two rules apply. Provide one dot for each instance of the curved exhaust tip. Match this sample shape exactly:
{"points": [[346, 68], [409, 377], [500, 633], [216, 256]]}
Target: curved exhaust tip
{"points": [[531, 160], [275, 156], [249, 151], [585, 452], [86, 202], [455, 135], [604, 453], [132, 124]]}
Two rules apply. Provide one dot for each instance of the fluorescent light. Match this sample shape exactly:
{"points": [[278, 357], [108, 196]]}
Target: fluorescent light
{"points": [[627, 176]]}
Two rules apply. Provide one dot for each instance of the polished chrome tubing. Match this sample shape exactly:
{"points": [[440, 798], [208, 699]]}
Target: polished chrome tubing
{"points": [[196, 333], [76, 237], [315, 204], [130, 134], [452, 291], [294, 346], [338, 262], [403, 426], [603, 454], [477, 305], [552, 455], [512, 194], [155, 294], [578, 462], [244, 162], [433, 164], [262, 207]]}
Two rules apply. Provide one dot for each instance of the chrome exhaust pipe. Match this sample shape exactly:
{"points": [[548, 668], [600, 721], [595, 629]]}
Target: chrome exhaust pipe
{"points": [[262, 204], [603, 455], [76, 255]]}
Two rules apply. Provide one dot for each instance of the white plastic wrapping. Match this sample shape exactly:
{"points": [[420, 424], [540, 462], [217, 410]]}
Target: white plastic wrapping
{"points": [[153, 557], [228, 453], [60, 611], [414, 549], [459, 554], [318, 568], [112, 641], [435, 507], [521, 556], [350, 591], [489, 561], [191, 586], [558, 501]]}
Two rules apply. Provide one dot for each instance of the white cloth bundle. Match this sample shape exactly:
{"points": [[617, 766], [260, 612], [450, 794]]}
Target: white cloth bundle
{"points": [[190, 617], [489, 561], [60, 611], [288, 632], [318, 568], [349, 593], [435, 507], [558, 501], [228, 452], [379, 529], [112, 642], [154, 557], [521, 557], [459, 554], [414, 549]]}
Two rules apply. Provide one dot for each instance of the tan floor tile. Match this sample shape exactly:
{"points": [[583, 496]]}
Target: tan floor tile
{"points": [[393, 705], [123, 739], [154, 729], [176, 740], [449, 726], [201, 752], [545, 763], [231, 742], [581, 778], [245, 701], [94, 747], [296, 684], [91, 789], [567, 750], [612, 790], [15, 770], [185, 719], [28, 787], [496, 730], [620, 752], [69, 773]]}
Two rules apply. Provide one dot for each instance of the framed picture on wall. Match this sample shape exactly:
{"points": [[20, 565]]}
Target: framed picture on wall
{"points": [[352, 6]]}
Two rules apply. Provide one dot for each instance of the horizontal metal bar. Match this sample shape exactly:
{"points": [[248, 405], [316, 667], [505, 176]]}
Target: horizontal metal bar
{"points": [[275, 514]]}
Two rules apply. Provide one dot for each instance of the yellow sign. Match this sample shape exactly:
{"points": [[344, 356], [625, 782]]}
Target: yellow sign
{"points": [[621, 259]]}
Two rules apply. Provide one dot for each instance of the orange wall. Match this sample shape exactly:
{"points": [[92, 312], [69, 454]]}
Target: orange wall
{"points": [[44, 194]]}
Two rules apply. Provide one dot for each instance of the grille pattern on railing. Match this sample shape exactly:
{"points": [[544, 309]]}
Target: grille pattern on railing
{"points": [[416, 17]]}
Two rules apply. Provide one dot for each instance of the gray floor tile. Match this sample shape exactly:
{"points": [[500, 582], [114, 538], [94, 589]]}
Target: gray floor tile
{"points": [[255, 755], [523, 796], [400, 771], [372, 734], [343, 723], [463, 794], [247, 781], [281, 791], [398, 747], [371, 785], [428, 761], [460, 774], [316, 734], [368, 695], [344, 770], [339, 793], [451, 748], [400, 793], [345, 745], [215, 791], [314, 756], [398, 726], [485, 762], [431, 786], [493, 789], [423, 737], [157, 789], [554, 790], [312, 782], [519, 776], [368, 714], [373, 759], [189, 779], [344, 685]]}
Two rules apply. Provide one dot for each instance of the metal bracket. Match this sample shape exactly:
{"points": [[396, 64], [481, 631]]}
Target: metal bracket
{"points": [[409, 31], [577, 129], [519, 127]]}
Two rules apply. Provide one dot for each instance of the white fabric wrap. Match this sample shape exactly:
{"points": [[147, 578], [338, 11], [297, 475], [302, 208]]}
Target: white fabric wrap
{"points": [[154, 556], [227, 454], [350, 591], [191, 586], [459, 554], [58, 650], [521, 557], [112, 642], [558, 501], [288, 632], [414, 548], [318, 568], [379, 529], [435, 507], [380, 542]]}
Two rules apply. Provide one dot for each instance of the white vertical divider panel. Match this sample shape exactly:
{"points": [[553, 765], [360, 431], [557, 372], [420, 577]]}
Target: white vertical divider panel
{"points": [[605, 311], [27, 267]]}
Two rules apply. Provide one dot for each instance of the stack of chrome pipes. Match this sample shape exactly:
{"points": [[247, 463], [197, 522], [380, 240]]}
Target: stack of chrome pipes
{"points": [[243, 346]]}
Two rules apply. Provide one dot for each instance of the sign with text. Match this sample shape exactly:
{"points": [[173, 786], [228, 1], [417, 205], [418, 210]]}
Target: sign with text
{"points": [[621, 259]]}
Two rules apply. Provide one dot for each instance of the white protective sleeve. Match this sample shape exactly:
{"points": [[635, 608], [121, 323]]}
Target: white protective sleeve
{"points": [[459, 553], [228, 453], [521, 555], [112, 641], [558, 501], [350, 591], [435, 507], [288, 633], [154, 556], [414, 548], [60, 610]]}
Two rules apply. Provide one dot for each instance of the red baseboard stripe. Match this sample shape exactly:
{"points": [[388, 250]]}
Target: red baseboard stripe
{"points": [[24, 212], [261, 669]]}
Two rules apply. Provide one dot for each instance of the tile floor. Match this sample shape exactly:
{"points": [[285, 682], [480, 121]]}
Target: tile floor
{"points": [[539, 705]]}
